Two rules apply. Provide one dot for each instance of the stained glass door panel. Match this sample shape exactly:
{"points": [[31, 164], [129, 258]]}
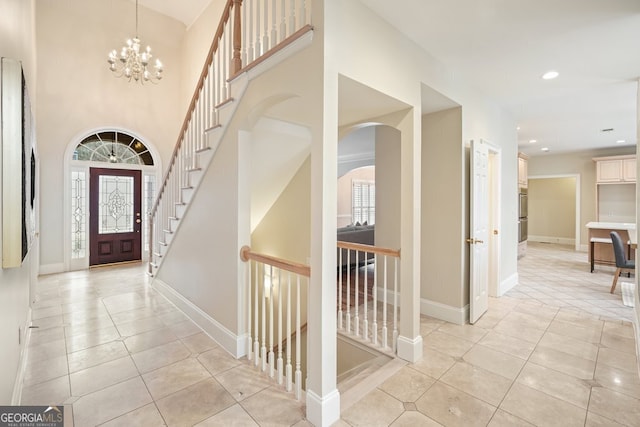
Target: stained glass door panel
{"points": [[115, 220]]}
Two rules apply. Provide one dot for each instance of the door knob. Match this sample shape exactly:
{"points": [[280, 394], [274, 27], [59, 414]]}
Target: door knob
{"points": [[138, 221]]}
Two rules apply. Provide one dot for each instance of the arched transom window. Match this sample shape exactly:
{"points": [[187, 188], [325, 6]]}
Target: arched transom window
{"points": [[113, 147]]}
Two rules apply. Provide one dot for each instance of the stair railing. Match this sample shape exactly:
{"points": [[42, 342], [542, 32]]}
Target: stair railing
{"points": [[272, 293], [358, 316], [264, 26]]}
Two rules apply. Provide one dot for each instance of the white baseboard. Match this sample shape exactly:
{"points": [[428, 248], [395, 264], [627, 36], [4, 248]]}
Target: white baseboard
{"points": [[551, 239], [234, 344], [51, 268], [22, 363], [507, 284], [323, 411], [584, 248], [445, 312]]}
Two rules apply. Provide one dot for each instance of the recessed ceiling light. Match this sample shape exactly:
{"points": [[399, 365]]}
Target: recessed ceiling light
{"points": [[620, 141], [518, 128], [533, 141], [549, 75], [545, 149]]}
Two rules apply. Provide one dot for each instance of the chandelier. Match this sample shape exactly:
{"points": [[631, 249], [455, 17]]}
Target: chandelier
{"points": [[132, 63]]}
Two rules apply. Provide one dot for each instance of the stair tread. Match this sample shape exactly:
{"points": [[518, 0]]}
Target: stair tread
{"points": [[211, 129], [225, 102]]}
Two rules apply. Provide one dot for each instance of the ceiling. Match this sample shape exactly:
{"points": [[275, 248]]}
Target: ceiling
{"points": [[503, 47]]}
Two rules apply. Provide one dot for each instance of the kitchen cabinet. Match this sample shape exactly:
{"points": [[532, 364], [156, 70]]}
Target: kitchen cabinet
{"points": [[523, 174], [615, 169]]}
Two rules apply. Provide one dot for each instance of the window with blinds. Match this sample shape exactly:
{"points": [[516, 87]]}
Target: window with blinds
{"points": [[363, 202]]}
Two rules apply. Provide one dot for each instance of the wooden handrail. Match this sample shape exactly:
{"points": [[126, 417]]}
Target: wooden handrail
{"points": [[368, 248], [226, 14], [247, 254]]}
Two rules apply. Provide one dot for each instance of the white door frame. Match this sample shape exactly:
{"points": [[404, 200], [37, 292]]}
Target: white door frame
{"points": [[70, 164], [495, 218], [578, 229]]}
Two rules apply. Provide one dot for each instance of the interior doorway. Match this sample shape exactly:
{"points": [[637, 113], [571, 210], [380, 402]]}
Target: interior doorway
{"points": [[554, 209]]}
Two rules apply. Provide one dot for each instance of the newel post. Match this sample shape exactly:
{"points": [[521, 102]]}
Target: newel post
{"points": [[236, 60]]}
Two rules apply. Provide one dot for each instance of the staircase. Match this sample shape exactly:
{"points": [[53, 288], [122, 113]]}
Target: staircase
{"points": [[265, 26]]}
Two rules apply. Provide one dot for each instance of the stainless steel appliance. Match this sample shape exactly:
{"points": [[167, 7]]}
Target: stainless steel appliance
{"points": [[523, 213]]}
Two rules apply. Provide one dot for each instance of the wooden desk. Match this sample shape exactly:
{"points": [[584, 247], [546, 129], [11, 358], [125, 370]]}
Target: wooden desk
{"points": [[600, 247]]}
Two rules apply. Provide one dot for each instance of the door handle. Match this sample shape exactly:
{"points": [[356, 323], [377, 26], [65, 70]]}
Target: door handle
{"points": [[138, 221], [472, 241]]}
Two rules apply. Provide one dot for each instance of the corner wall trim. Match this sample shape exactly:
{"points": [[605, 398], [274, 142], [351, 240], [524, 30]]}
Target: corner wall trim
{"points": [[507, 284], [457, 315], [234, 344]]}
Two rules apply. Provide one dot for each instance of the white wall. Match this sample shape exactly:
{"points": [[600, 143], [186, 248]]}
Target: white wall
{"points": [[78, 93], [17, 41], [388, 62]]}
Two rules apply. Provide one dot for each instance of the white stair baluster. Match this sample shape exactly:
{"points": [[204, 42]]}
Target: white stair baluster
{"points": [[357, 287], [374, 327], [263, 349], [283, 21], [269, 291], [247, 279], [395, 305], [256, 344], [365, 325], [348, 291], [384, 304], [298, 380], [279, 362], [288, 370], [339, 287]]}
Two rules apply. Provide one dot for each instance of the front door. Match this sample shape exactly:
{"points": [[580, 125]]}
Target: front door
{"points": [[114, 216], [479, 228]]}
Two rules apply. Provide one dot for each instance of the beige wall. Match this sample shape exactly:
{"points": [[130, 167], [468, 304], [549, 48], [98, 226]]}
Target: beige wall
{"points": [[387, 187], [442, 150], [579, 163], [17, 41], [78, 94], [552, 209], [285, 230]]}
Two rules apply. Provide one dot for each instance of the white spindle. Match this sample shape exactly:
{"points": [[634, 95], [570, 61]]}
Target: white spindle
{"points": [[288, 370], [265, 35], [384, 304], [279, 363], [274, 23], [395, 304], [303, 13], [270, 294], [339, 286], [348, 291], [250, 39], [258, 44], [247, 279], [292, 17], [263, 349], [256, 344], [357, 285], [365, 326], [374, 328], [283, 21], [298, 380]]}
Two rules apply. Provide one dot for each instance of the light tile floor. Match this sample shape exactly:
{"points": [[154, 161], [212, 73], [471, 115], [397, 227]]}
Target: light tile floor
{"points": [[556, 350]]}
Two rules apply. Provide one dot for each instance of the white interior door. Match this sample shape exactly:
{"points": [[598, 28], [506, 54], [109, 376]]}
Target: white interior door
{"points": [[479, 228]]}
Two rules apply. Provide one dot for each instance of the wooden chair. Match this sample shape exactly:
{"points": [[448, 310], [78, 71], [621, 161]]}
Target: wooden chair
{"points": [[622, 263]]}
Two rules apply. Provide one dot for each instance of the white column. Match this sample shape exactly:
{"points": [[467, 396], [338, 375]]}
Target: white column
{"points": [[410, 340], [323, 398]]}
